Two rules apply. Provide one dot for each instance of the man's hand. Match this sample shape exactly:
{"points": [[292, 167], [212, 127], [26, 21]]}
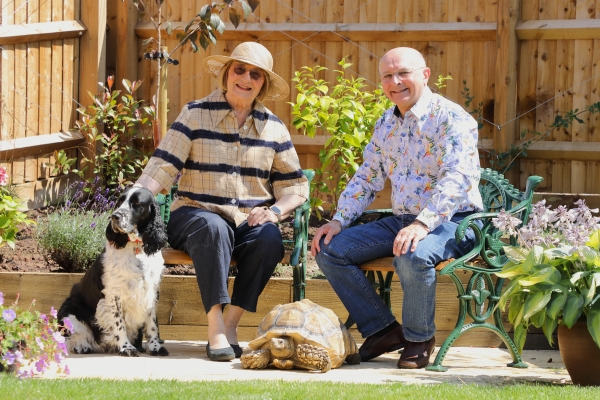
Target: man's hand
{"points": [[329, 230], [413, 233]]}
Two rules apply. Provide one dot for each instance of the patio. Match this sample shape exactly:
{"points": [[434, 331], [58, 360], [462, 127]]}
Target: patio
{"points": [[188, 362]]}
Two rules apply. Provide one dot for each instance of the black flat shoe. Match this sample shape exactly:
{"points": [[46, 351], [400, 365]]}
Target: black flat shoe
{"points": [[417, 355], [237, 350], [374, 346], [224, 354]]}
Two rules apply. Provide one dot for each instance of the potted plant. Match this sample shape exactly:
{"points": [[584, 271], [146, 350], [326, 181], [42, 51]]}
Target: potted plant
{"points": [[554, 272]]}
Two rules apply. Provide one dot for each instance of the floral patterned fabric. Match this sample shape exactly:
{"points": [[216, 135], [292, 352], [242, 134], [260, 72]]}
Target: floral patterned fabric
{"points": [[431, 158]]}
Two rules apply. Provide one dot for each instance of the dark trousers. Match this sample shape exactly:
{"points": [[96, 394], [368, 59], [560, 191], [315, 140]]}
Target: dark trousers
{"points": [[211, 241]]}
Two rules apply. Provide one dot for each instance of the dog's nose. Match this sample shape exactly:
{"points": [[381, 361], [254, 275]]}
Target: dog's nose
{"points": [[116, 216]]}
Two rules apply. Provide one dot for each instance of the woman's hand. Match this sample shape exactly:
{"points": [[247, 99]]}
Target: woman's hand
{"points": [[260, 215]]}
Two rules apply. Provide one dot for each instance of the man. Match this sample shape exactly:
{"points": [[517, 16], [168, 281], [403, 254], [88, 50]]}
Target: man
{"points": [[427, 146]]}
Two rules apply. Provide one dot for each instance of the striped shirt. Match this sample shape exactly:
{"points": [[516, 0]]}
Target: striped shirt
{"points": [[225, 169]]}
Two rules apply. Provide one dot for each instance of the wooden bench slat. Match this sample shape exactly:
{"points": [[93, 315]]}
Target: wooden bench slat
{"points": [[173, 256], [385, 265]]}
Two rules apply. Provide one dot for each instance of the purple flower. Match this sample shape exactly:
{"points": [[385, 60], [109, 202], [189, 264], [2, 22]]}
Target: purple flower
{"points": [[67, 371], [10, 358], [41, 365], [93, 225], [68, 324], [53, 312], [44, 318], [1, 298], [58, 338], [9, 315], [40, 343]]}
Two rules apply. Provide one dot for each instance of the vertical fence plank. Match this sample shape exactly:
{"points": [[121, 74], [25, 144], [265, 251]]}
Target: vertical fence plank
{"points": [[45, 88], [7, 106], [33, 84], [92, 58], [20, 111]]}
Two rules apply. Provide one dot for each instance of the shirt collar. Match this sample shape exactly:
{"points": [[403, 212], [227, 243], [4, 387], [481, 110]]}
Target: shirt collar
{"points": [[223, 109], [420, 108]]}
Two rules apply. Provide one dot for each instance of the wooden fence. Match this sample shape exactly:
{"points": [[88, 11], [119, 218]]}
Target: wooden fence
{"points": [[524, 61]]}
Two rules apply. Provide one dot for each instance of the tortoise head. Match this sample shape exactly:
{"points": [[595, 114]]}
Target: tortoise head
{"points": [[282, 347]]}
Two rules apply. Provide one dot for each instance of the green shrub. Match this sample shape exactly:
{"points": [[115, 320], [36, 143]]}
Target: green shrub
{"points": [[344, 112], [11, 214], [73, 238]]}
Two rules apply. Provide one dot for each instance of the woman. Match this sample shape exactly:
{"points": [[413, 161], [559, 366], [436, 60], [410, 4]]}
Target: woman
{"points": [[236, 159]]}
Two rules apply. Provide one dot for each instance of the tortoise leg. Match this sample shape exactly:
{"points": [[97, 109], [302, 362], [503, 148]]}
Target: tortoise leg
{"points": [[283, 364], [257, 359], [313, 357]]}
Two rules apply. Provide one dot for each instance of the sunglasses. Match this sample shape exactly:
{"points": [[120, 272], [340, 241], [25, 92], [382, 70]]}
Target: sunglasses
{"points": [[255, 75]]}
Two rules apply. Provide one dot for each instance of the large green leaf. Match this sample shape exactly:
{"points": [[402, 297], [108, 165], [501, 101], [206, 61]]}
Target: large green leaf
{"points": [[519, 337], [511, 270], [507, 293], [594, 240], [572, 310], [548, 328], [547, 274], [515, 253], [556, 304], [515, 311], [535, 303], [593, 323]]}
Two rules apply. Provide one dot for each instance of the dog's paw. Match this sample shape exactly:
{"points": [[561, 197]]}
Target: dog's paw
{"points": [[161, 352], [82, 350], [129, 352]]}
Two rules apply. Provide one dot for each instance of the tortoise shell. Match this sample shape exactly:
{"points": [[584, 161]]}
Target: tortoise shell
{"points": [[307, 322]]}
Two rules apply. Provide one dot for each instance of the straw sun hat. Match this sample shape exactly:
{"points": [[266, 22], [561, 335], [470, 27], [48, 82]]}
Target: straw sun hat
{"points": [[255, 54]]}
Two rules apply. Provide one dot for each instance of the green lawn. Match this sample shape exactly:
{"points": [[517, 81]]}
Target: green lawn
{"points": [[13, 388]]}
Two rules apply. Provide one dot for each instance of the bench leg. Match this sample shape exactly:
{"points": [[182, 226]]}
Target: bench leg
{"points": [[299, 283], [476, 292]]}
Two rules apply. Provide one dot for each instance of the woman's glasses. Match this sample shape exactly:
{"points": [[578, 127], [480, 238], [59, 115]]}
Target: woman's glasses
{"points": [[255, 75]]}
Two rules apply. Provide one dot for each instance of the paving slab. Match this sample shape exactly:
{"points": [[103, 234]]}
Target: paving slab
{"points": [[188, 362]]}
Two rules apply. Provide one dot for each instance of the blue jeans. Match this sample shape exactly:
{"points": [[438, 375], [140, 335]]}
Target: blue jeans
{"points": [[339, 262]]}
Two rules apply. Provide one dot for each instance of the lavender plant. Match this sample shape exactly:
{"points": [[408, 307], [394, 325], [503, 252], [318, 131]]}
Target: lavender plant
{"points": [[31, 342], [73, 235], [554, 270]]}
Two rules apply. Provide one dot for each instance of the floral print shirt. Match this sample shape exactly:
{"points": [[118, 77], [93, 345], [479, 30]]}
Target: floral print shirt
{"points": [[431, 158]]}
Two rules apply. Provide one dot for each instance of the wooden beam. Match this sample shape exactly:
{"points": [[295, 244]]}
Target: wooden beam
{"points": [[25, 33], [507, 57], [333, 32], [558, 29], [92, 58], [40, 144], [573, 151]]}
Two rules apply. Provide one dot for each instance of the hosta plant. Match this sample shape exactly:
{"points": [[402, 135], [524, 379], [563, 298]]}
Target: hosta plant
{"points": [[554, 270]]}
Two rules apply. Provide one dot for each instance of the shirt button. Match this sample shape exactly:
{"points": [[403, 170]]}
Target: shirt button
{"points": [[234, 174], [232, 201], [235, 148], [245, 128]]}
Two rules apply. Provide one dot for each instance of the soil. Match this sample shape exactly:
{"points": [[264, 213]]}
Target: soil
{"points": [[29, 257]]}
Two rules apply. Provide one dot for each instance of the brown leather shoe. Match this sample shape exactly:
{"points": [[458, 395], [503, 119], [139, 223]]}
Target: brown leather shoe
{"points": [[374, 346], [417, 354]]}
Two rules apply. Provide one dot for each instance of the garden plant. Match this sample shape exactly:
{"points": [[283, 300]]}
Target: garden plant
{"points": [[11, 214], [554, 270], [31, 342]]}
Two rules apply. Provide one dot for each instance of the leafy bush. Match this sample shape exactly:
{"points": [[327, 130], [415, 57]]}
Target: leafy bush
{"points": [[346, 113], [112, 125], [30, 343], [10, 212], [74, 235], [554, 270]]}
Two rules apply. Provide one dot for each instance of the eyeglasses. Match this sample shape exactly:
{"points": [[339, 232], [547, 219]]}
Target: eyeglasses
{"points": [[401, 75], [255, 75]]}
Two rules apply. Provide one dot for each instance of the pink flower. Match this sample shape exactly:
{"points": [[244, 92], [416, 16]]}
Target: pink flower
{"points": [[1, 298], [53, 312], [3, 177], [9, 315]]}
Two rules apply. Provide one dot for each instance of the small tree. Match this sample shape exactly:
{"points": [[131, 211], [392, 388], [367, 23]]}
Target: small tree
{"points": [[347, 115]]}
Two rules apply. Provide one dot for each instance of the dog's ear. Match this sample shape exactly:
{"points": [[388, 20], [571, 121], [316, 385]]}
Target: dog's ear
{"points": [[153, 234], [118, 239]]}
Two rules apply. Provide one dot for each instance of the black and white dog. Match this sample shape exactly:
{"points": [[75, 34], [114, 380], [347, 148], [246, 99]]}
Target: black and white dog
{"points": [[117, 296]]}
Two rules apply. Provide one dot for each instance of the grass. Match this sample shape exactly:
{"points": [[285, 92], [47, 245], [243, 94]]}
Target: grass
{"points": [[13, 388]]}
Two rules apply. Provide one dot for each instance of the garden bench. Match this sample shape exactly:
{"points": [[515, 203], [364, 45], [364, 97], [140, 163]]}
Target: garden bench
{"points": [[477, 298], [295, 249]]}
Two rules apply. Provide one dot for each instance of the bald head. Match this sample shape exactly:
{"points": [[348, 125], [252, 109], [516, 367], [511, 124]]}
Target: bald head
{"points": [[404, 77], [409, 56]]}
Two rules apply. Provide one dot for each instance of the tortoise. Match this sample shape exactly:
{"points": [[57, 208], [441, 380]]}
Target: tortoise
{"points": [[301, 335]]}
